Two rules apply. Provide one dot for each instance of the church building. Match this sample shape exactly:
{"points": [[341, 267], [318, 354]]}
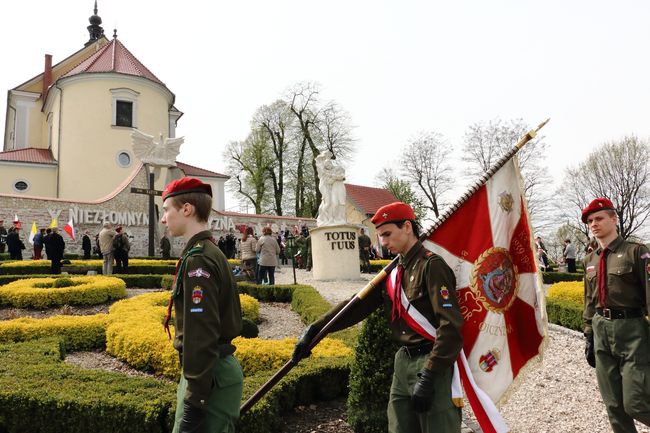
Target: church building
{"points": [[68, 155]]}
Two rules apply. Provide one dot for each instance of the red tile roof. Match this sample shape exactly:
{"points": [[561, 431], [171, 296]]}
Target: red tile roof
{"points": [[114, 57], [191, 170], [30, 154], [369, 199]]}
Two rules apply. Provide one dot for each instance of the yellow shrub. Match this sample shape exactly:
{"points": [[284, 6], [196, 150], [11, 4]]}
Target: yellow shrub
{"points": [[250, 307], [571, 291], [132, 262], [381, 263], [255, 354], [79, 332], [39, 293]]}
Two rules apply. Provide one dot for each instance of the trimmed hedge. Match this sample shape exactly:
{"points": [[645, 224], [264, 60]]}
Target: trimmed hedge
{"points": [[28, 267], [565, 304], [554, 277], [315, 378], [132, 281], [371, 376], [51, 292], [76, 332], [40, 393]]}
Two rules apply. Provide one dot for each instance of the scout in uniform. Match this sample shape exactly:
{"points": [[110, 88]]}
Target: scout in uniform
{"points": [[617, 327], [208, 315], [420, 395]]}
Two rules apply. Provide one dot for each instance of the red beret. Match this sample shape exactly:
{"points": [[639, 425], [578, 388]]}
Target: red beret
{"points": [[393, 212], [595, 206], [186, 185]]}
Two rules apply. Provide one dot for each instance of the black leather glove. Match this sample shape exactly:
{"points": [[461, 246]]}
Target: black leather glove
{"points": [[423, 391], [193, 419], [302, 346], [590, 354]]}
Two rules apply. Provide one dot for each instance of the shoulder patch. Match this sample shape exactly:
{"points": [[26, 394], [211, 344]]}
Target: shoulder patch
{"points": [[198, 272], [197, 295]]}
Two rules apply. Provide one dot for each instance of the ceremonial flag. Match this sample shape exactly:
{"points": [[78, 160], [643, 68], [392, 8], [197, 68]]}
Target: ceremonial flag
{"points": [[32, 233], [69, 229], [487, 242], [54, 223]]}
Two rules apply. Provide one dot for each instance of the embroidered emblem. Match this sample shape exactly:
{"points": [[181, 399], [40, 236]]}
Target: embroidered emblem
{"points": [[495, 279], [590, 268], [506, 201], [444, 292], [489, 360], [198, 272], [197, 295], [196, 310], [384, 215], [645, 256]]}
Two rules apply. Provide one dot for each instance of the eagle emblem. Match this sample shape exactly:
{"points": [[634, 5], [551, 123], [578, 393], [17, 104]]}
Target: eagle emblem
{"points": [[506, 201]]}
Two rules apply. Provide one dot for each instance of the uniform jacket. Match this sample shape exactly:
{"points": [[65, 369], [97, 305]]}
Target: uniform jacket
{"points": [[208, 313], [628, 278], [425, 277], [269, 249]]}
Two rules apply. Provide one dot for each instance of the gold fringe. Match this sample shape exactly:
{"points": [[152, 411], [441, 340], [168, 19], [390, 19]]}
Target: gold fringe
{"points": [[458, 402]]}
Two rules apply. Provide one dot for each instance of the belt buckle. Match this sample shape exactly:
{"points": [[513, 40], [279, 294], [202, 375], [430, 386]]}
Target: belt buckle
{"points": [[607, 313]]}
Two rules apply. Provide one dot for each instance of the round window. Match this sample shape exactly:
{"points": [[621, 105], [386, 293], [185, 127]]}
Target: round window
{"points": [[21, 185], [124, 159]]}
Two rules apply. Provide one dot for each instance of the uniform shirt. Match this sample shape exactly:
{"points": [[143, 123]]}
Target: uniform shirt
{"points": [[425, 276], [208, 313], [628, 278]]}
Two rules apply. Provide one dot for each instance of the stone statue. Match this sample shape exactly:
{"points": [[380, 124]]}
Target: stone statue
{"points": [[162, 153], [331, 211]]}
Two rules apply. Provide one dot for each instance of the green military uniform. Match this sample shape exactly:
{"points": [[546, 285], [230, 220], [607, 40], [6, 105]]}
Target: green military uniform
{"points": [[208, 317], [364, 252], [621, 332], [430, 285]]}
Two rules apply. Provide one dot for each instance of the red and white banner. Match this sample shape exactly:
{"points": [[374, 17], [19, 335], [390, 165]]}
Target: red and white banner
{"points": [[488, 244], [69, 229]]}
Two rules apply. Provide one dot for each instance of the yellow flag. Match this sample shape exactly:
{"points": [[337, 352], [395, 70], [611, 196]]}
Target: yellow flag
{"points": [[54, 223], [32, 233]]}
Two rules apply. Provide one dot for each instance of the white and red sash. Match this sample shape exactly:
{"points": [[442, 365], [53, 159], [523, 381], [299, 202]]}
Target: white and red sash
{"points": [[484, 409]]}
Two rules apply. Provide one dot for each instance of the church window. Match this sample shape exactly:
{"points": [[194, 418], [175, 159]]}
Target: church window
{"points": [[125, 107], [21, 186], [123, 159], [124, 114]]}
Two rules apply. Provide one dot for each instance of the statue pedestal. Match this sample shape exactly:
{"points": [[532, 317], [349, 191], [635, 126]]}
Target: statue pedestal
{"points": [[335, 253]]}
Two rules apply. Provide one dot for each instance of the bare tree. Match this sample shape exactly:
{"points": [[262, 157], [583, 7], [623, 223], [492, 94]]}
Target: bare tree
{"points": [[425, 162], [485, 143], [276, 120], [322, 126], [620, 171], [248, 162]]}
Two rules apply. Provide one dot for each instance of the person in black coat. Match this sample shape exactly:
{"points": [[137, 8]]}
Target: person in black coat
{"points": [[14, 244], [57, 246], [46, 242], [85, 245]]}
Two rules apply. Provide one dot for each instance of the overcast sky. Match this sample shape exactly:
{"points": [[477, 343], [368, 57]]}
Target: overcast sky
{"points": [[398, 67]]}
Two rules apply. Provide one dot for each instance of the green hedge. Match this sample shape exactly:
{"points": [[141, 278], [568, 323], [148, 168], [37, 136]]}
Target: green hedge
{"points": [[45, 269], [371, 376], [555, 277], [40, 393], [565, 313], [132, 281]]}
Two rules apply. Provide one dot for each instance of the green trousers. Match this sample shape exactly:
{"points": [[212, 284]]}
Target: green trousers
{"points": [[443, 417], [223, 404], [623, 370]]}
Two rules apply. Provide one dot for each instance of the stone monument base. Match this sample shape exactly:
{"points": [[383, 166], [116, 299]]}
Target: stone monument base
{"points": [[335, 253]]}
